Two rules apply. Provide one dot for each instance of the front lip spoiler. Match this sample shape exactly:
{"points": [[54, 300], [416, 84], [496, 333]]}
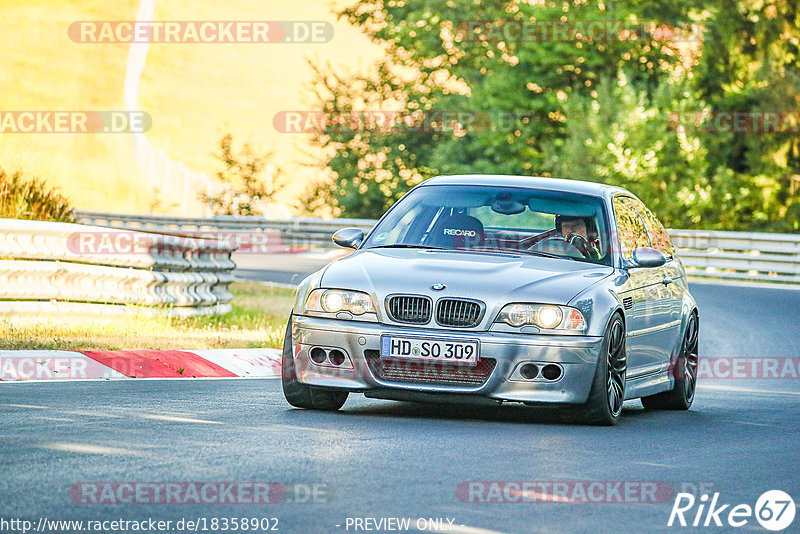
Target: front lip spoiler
{"points": [[441, 397]]}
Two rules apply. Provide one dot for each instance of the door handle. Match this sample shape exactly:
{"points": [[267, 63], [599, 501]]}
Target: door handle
{"points": [[666, 281]]}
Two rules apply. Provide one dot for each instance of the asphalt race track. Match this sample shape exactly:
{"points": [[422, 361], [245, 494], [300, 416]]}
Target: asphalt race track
{"points": [[381, 459]]}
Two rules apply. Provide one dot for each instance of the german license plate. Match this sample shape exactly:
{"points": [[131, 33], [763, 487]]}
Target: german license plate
{"points": [[426, 349]]}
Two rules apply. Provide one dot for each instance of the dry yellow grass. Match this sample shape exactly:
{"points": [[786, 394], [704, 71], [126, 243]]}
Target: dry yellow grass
{"points": [[43, 70], [194, 92]]}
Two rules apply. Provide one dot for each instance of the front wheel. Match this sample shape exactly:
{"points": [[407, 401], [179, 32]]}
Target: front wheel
{"points": [[684, 371], [300, 395], [604, 406]]}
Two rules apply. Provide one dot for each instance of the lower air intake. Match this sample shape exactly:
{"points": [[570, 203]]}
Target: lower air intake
{"points": [[429, 372]]}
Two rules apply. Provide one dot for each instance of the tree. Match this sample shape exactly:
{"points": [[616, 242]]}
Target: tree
{"points": [[439, 59], [751, 64], [542, 99], [245, 188], [623, 137]]}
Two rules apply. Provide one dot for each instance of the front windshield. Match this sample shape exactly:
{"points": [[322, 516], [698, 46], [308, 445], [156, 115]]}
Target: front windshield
{"points": [[491, 219]]}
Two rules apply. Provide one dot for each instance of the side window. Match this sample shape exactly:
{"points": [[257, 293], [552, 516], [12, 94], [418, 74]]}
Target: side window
{"points": [[658, 235], [631, 229]]}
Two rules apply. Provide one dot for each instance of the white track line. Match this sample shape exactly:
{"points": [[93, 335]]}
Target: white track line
{"points": [[89, 449], [736, 389], [457, 529], [174, 419]]}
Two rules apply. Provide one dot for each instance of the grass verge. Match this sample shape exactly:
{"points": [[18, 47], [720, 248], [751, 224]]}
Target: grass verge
{"points": [[258, 319]]}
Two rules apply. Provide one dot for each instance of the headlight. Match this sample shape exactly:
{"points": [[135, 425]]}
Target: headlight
{"points": [[546, 316], [336, 300]]}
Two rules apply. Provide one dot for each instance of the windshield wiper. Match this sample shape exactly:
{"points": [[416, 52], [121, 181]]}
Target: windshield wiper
{"points": [[547, 255], [404, 245], [476, 249], [526, 251]]}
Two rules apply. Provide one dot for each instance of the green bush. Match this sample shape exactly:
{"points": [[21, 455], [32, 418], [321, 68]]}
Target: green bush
{"points": [[31, 199], [246, 183], [598, 110]]}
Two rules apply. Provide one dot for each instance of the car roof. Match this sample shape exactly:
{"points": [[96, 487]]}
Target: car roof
{"points": [[532, 182]]}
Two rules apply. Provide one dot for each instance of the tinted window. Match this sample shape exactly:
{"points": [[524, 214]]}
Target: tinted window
{"points": [[631, 229]]}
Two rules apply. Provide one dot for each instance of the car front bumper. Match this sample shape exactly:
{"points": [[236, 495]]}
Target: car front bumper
{"points": [[576, 356]]}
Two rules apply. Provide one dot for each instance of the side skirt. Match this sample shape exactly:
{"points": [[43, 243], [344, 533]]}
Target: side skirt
{"points": [[649, 384]]}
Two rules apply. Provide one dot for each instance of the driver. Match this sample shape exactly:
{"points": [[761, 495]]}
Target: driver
{"points": [[580, 231]]}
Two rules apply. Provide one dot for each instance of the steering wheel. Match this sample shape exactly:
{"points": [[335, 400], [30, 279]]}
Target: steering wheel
{"points": [[572, 245], [529, 242], [581, 243]]}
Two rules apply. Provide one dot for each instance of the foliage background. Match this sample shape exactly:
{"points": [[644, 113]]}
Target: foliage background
{"points": [[589, 110], [31, 198]]}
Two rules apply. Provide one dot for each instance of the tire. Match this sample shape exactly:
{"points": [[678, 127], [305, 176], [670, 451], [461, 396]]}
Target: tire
{"points": [[300, 395], [604, 406], [684, 370]]}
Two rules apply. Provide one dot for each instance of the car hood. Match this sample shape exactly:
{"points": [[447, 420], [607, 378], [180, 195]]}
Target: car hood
{"points": [[496, 279]]}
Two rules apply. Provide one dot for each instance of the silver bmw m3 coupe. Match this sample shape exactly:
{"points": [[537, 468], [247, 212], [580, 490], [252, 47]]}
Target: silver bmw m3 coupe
{"points": [[493, 289]]}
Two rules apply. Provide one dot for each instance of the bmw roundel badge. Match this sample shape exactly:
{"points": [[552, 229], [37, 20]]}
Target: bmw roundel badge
{"points": [[438, 287]]}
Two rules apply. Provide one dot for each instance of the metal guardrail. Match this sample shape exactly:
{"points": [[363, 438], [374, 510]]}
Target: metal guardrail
{"points": [[299, 232], [73, 268], [739, 256], [731, 256]]}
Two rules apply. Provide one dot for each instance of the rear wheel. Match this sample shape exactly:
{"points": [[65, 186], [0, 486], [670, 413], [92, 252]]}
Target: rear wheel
{"points": [[685, 372], [604, 406], [300, 395]]}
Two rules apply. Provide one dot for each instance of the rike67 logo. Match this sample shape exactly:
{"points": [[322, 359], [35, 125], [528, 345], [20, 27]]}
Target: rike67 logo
{"points": [[774, 510]]}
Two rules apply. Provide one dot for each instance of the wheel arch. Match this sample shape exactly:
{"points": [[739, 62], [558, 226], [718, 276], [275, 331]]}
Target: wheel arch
{"points": [[688, 307], [598, 304]]}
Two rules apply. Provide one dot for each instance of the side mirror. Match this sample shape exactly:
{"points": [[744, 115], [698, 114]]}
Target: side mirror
{"points": [[348, 237], [648, 257]]}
